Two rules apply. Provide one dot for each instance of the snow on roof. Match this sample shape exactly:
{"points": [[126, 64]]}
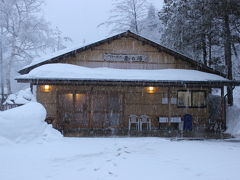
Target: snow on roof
{"points": [[51, 56], [74, 72]]}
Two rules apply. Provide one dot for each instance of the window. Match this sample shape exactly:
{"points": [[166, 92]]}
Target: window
{"points": [[194, 99], [198, 99], [184, 98]]}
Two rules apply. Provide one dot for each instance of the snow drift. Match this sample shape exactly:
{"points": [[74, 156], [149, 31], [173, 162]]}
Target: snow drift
{"points": [[26, 123], [233, 115]]}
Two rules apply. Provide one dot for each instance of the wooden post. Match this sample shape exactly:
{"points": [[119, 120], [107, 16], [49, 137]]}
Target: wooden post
{"points": [[169, 106], [223, 110], [91, 108]]}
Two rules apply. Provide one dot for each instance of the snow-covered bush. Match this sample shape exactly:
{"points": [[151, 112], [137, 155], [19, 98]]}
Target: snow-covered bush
{"points": [[21, 97], [26, 123]]}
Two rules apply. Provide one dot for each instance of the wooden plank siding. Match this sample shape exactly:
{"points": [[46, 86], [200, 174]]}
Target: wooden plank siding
{"points": [[156, 60], [135, 101]]}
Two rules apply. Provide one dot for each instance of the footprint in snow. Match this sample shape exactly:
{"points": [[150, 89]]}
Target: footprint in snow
{"points": [[114, 164], [96, 169], [110, 173]]}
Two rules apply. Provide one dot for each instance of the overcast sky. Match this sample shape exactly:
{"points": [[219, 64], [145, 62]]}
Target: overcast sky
{"points": [[79, 19]]}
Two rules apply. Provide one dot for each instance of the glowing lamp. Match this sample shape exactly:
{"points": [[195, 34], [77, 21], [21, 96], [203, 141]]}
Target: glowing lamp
{"points": [[151, 90], [46, 88]]}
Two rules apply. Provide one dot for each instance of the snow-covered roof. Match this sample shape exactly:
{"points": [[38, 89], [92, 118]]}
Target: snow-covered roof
{"points": [[74, 72]]}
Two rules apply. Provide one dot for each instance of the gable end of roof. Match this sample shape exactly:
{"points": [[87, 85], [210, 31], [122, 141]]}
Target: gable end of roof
{"points": [[198, 65]]}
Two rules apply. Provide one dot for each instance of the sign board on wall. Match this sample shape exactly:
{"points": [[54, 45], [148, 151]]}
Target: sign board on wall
{"points": [[125, 58]]}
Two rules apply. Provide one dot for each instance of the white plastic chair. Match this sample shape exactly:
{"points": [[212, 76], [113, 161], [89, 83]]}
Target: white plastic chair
{"points": [[145, 119], [133, 119]]}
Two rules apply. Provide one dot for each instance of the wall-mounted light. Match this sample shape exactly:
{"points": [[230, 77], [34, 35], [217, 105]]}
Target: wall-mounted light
{"points": [[151, 90], [46, 88]]}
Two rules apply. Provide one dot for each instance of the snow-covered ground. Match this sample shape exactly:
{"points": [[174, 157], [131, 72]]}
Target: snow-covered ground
{"points": [[120, 158], [31, 150]]}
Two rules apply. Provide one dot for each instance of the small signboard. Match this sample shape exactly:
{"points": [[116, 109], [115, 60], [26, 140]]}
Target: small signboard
{"points": [[176, 120], [163, 119], [124, 58], [164, 100]]}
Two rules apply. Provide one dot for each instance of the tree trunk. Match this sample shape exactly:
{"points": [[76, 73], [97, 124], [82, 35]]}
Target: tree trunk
{"points": [[8, 75], [135, 17], [228, 56], [1, 69], [209, 50], [204, 49], [8, 80]]}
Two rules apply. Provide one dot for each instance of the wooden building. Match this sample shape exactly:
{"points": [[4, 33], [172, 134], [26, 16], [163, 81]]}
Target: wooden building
{"points": [[140, 77]]}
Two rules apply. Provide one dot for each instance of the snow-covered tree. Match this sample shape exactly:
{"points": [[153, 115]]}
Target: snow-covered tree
{"points": [[207, 30], [152, 26], [127, 15], [25, 34]]}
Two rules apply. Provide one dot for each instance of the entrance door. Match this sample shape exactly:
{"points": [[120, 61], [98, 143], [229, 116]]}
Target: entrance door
{"points": [[107, 110], [73, 110]]}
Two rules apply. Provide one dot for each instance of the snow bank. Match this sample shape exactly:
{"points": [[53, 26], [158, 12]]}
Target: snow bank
{"points": [[73, 72], [21, 97], [26, 123], [233, 115]]}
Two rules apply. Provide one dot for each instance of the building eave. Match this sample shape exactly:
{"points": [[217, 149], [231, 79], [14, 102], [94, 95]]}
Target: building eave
{"points": [[166, 83]]}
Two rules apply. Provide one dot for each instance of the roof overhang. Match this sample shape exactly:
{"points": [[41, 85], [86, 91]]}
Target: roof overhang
{"points": [[212, 84]]}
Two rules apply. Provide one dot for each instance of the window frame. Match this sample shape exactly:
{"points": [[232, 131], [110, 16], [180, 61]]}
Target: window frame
{"points": [[191, 92]]}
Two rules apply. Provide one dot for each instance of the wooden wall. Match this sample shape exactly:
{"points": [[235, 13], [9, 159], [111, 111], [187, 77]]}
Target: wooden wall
{"points": [[156, 59], [136, 101]]}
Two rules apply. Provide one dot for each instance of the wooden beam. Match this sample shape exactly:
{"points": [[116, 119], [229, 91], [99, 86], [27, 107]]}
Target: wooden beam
{"points": [[169, 106], [91, 108], [161, 83], [223, 109]]}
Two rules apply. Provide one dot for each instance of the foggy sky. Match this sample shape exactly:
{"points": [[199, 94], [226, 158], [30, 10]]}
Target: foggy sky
{"points": [[79, 19]]}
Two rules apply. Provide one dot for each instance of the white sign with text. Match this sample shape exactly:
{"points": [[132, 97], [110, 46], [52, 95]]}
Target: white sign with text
{"points": [[125, 58]]}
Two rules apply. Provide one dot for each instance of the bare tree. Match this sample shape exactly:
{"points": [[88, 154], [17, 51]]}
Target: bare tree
{"points": [[127, 15]]}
